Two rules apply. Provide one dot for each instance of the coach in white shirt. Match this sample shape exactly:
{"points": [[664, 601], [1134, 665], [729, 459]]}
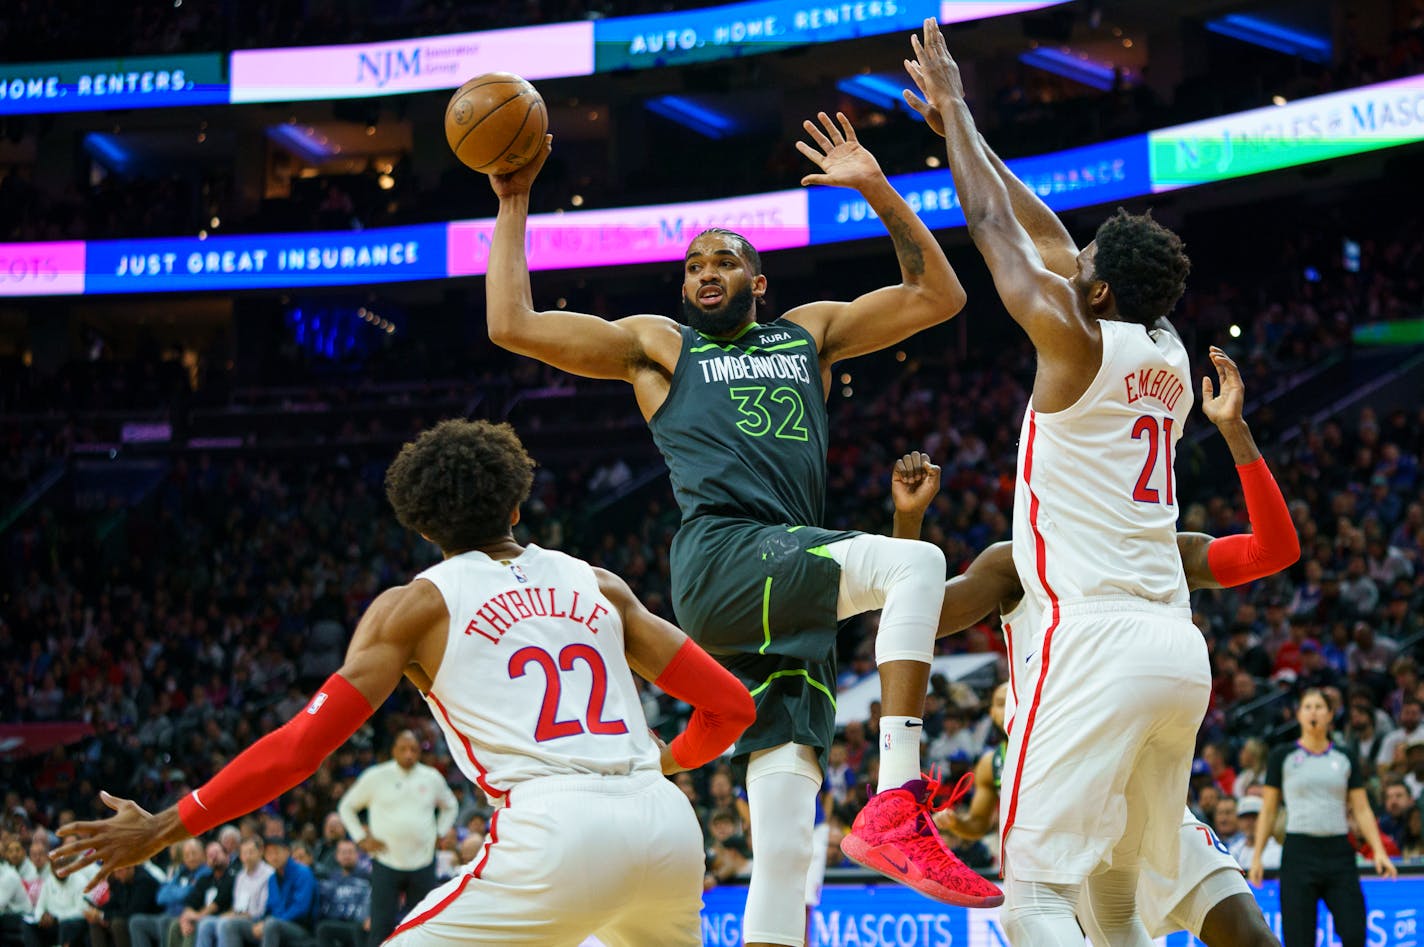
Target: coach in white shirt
{"points": [[408, 806]]}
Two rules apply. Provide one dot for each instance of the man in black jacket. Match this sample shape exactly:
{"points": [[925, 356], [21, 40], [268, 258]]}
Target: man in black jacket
{"points": [[131, 891], [210, 897]]}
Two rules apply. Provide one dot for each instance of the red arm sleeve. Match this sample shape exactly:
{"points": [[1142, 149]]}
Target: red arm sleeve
{"points": [[722, 708], [1272, 544], [278, 761]]}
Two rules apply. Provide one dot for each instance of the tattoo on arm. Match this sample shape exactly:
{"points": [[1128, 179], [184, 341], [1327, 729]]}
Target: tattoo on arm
{"points": [[909, 251]]}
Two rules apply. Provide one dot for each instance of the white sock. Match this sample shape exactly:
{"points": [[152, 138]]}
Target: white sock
{"points": [[899, 751]]}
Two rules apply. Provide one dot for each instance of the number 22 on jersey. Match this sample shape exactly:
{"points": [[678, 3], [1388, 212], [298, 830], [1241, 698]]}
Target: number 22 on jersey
{"points": [[1148, 428], [549, 726]]}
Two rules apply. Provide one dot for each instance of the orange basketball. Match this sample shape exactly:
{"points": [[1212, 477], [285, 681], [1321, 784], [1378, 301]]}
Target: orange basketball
{"points": [[495, 123]]}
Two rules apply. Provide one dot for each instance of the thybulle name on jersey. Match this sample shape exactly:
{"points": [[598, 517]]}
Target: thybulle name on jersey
{"points": [[502, 612], [1161, 385]]}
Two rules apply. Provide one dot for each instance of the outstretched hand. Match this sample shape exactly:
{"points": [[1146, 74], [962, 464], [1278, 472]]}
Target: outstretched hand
{"points": [[934, 71], [130, 837], [841, 158], [1225, 406], [519, 182], [914, 483]]}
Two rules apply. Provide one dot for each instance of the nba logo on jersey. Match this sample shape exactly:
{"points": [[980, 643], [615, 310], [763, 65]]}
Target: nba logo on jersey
{"points": [[316, 703], [518, 573]]}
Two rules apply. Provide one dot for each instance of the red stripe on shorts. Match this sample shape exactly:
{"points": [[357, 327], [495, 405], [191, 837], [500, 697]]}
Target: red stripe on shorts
{"points": [[1013, 677], [449, 899], [480, 771], [1040, 552]]}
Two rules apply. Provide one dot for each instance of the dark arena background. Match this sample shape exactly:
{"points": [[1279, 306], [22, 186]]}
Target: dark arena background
{"points": [[240, 266]]}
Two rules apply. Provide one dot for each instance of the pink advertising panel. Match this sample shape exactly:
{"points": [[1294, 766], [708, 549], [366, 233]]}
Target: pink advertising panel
{"points": [[42, 269], [962, 11], [774, 221], [415, 65]]}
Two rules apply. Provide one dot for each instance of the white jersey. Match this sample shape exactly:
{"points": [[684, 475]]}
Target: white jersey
{"points": [[1095, 508], [534, 681], [1020, 625]]}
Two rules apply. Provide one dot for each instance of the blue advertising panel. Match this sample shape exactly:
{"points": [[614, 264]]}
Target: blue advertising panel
{"points": [[341, 258], [1079, 177], [742, 29], [96, 84], [892, 916]]}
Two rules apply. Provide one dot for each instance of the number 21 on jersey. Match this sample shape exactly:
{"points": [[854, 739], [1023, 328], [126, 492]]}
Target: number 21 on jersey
{"points": [[1149, 429]]}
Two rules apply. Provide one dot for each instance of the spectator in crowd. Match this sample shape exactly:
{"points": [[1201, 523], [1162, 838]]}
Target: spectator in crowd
{"points": [[1414, 765], [1410, 730], [59, 913], [132, 890], [408, 806], [1253, 766], [840, 778], [209, 897], [1248, 810], [151, 930], [1398, 804], [724, 797], [345, 916], [238, 925], [731, 858], [230, 838], [15, 903], [1227, 824], [333, 833], [291, 897]]}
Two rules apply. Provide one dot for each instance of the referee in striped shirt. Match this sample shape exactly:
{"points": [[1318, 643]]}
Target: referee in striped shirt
{"points": [[1319, 782]]}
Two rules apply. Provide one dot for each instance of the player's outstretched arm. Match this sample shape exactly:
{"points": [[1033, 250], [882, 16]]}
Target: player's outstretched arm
{"points": [[1050, 238], [976, 824], [575, 342], [1272, 544], [1037, 298], [387, 641], [928, 293], [658, 651], [991, 578]]}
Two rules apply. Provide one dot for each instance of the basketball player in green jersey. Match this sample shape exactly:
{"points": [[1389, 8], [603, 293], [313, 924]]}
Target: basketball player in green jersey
{"points": [[737, 409]]}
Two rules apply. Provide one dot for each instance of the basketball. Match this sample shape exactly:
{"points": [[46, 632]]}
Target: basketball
{"points": [[496, 122]]}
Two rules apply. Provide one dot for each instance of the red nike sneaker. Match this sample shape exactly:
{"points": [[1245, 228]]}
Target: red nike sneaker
{"points": [[894, 835]]}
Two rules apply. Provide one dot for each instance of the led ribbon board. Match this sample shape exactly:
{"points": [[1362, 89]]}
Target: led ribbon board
{"points": [[94, 84], [1265, 139], [344, 258], [1330, 126]]}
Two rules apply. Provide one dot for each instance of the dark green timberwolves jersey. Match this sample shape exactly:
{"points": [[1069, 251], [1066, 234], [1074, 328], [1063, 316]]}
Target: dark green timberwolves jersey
{"points": [[743, 429]]}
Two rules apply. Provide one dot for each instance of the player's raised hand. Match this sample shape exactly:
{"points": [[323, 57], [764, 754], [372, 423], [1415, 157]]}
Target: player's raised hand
{"points": [[934, 69], [841, 158], [914, 483], [1224, 406], [519, 182], [130, 837], [928, 112]]}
